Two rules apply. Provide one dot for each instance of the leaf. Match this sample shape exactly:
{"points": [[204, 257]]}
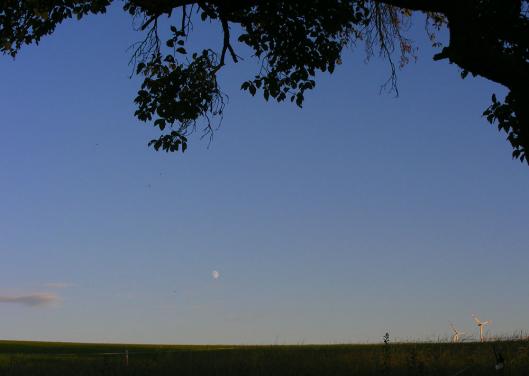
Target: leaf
{"points": [[181, 50], [140, 67], [160, 123], [299, 99]]}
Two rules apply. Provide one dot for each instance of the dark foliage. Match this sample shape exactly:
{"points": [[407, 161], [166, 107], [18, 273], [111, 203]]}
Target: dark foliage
{"points": [[293, 40]]}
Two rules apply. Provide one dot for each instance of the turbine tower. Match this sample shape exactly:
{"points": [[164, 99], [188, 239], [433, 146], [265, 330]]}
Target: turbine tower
{"points": [[457, 333], [480, 325]]}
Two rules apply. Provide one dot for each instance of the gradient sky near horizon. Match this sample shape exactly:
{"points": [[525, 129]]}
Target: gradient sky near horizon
{"points": [[359, 214]]}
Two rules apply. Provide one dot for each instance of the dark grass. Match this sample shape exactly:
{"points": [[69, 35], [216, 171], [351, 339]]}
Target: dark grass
{"points": [[417, 359]]}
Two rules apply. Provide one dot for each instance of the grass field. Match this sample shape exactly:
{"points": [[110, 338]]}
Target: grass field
{"points": [[43, 358]]}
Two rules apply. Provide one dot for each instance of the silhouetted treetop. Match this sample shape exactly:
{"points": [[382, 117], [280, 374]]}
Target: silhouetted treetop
{"points": [[292, 40]]}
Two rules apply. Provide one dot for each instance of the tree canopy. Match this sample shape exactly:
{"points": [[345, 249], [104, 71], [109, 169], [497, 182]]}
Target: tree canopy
{"points": [[292, 40]]}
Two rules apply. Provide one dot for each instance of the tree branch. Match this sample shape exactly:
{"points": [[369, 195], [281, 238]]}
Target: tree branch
{"points": [[226, 45], [420, 5], [149, 21]]}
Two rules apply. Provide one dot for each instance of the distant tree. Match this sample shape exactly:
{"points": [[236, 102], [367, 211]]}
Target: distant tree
{"points": [[292, 40]]}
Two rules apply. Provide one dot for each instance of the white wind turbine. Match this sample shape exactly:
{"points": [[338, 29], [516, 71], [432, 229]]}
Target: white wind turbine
{"points": [[480, 325], [457, 333]]}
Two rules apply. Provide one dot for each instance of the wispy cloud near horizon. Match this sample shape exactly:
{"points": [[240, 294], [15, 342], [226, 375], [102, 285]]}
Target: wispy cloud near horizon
{"points": [[59, 285], [33, 300]]}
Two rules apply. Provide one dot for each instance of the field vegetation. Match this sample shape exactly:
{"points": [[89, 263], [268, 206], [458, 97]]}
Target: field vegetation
{"points": [[417, 359]]}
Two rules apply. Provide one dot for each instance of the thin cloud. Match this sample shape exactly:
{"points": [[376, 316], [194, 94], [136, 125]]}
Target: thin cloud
{"points": [[32, 300], [59, 285]]}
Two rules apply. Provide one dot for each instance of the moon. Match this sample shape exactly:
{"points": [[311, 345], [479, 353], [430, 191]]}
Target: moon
{"points": [[215, 274]]}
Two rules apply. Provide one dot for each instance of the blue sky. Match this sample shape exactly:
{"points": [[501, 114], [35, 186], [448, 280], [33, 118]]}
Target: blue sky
{"points": [[359, 214]]}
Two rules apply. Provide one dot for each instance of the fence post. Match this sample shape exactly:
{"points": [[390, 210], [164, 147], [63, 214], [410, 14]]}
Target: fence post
{"points": [[126, 358]]}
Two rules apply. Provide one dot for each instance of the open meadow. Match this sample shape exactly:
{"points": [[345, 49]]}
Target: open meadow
{"points": [[443, 359]]}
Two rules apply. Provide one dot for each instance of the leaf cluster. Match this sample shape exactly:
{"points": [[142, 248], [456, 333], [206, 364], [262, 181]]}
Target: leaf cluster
{"points": [[26, 22]]}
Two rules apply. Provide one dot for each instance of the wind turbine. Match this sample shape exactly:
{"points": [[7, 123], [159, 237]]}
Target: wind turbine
{"points": [[457, 333], [480, 325]]}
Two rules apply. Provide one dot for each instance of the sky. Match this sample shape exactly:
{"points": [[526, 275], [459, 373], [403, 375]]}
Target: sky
{"points": [[359, 214]]}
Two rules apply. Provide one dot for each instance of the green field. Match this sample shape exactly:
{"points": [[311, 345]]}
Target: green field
{"points": [[44, 358]]}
